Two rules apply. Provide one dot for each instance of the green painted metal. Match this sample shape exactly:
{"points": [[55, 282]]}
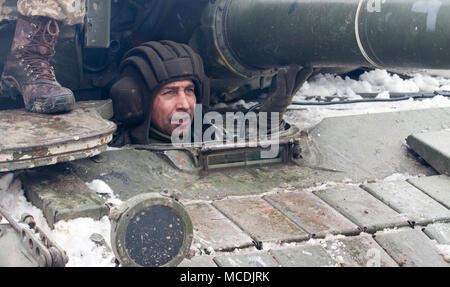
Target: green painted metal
{"points": [[243, 43], [437, 187], [257, 35], [160, 246], [232, 207], [434, 148], [98, 22], [406, 199], [32, 140], [411, 248], [61, 195]]}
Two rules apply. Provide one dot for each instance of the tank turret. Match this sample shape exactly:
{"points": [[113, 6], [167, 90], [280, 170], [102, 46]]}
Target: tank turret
{"points": [[243, 43]]}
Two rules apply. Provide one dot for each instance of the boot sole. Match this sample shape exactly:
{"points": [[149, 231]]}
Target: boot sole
{"points": [[55, 105]]}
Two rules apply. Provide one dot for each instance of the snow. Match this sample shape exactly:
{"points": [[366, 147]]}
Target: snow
{"points": [[74, 235], [102, 189], [444, 251], [376, 81], [399, 176], [12, 199]]}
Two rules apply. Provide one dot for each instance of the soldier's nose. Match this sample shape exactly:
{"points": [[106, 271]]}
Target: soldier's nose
{"points": [[182, 102]]}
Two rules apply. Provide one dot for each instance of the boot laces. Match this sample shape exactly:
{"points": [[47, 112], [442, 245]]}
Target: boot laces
{"points": [[37, 54]]}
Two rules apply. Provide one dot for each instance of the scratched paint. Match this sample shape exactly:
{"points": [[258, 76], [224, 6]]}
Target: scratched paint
{"points": [[31, 140]]}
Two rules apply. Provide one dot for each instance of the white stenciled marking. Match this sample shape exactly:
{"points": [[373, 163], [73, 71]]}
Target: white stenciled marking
{"points": [[374, 6], [431, 8]]}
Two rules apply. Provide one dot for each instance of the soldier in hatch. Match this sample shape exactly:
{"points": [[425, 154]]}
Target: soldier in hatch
{"points": [[158, 80], [27, 68]]}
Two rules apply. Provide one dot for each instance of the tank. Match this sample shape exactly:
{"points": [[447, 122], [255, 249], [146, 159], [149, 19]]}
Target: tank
{"points": [[243, 43], [320, 193]]}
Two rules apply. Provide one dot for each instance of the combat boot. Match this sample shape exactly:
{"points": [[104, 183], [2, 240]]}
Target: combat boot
{"points": [[28, 70]]}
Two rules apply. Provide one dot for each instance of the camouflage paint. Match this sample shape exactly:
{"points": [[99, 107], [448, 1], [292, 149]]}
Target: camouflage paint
{"points": [[70, 12]]}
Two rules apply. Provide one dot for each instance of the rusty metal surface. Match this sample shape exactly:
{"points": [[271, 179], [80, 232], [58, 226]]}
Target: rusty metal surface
{"points": [[247, 260], [305, 256], [263, 222], [406, 199], [437, 187], [29, 140], [311, 213], [213, 229], [361, 208], [411, 248], [359, 251]]}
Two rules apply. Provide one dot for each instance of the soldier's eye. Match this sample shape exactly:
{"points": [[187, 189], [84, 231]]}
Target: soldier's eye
{"points": [[168, 92]]}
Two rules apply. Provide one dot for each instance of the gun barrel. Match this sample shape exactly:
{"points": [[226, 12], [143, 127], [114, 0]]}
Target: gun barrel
{"points": [[255, 35]]}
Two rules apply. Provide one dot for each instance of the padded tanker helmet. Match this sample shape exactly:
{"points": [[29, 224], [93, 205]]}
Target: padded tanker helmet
{"points": [[143, 72]]}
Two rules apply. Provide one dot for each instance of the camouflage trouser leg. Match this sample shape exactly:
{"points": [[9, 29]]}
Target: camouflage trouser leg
{"points": [[69, 12]]}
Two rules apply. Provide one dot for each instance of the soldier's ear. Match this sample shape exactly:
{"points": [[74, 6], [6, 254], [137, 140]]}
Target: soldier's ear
{"points": [[128, 98]]}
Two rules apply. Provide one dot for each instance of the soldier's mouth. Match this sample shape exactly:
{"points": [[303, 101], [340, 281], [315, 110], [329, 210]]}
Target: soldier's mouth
{"points": [[183, 122]]}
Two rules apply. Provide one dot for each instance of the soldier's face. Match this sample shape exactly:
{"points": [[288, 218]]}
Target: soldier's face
{"points": [[175, 97]]}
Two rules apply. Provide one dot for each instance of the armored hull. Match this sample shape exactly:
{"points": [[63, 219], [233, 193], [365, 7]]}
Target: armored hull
{"points": [[335, 203], [325, 199]]}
